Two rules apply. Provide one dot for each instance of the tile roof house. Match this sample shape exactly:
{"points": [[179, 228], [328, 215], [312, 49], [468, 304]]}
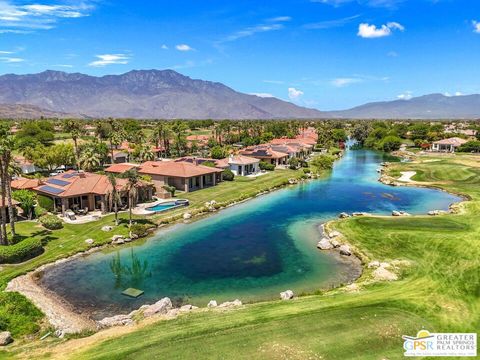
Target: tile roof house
{"points": [[240, 165], [183, 175], [266, 153], [447, 145], [24, 183], [77, 190]]}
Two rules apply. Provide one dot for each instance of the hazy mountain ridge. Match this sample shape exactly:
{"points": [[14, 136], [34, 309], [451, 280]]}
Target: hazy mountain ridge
{"points": [[142, 94], [433, 106]]}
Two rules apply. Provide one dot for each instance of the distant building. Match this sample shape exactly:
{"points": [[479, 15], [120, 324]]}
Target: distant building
{"points": [[447, 145], [266, 153]]}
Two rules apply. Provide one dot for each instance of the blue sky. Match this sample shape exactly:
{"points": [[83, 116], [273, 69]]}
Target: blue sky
{"points": [[327, 54]]}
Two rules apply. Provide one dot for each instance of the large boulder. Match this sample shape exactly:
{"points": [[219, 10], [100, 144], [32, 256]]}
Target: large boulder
{"points": [[117, 237], [89, 241], [345, 250], [400, 213], [117, 320], [107, 228], [187, 216], [286, 295], [325, 244], [343, 215], [160, 307], [5, 338], [333, 234], [228, 304], [382, 274], [212, 303]]}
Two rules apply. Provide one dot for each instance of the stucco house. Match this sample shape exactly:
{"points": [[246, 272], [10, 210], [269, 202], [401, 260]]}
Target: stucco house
{"points": [[447, 145], [266, 153], [83, 191], [240, 165]]}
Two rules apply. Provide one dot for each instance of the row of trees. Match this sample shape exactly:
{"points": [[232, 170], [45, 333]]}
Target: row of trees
{"points": [[7, 170]]}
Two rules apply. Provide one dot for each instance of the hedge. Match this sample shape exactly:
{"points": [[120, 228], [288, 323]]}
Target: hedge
{"points": [[24, 250], [51, 222], [45, 202]]}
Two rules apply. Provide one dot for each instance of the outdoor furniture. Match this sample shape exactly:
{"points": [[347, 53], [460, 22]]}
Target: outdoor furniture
{"points": [[70, 215]]}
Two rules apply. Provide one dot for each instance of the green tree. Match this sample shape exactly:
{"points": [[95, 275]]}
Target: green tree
{"points": [[27, 200], [391, 143], [218, 152], [76, 129], [113, 196]]}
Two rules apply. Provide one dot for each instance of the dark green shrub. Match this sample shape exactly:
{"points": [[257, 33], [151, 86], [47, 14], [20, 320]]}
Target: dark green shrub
{"points": [[228, 175], [293, 163], [51, 222], [24, 250], [323, 162], [471, 146], [18, 315], [46, 203], [266, 166], [306, 170]]}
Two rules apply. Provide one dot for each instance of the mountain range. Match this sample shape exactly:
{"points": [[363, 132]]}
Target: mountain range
{"points": [[166, 94]]}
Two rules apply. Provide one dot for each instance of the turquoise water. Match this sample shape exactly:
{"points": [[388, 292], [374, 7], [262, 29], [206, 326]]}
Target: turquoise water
{"points": [[251, 251], [162, 206]]}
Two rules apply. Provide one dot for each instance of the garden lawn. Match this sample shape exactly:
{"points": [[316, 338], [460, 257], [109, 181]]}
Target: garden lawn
{"points": [[439, 290]]}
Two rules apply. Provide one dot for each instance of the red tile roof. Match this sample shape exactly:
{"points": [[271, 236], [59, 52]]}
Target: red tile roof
{"points": [[120, 168], [175, 169], [25, 184]]}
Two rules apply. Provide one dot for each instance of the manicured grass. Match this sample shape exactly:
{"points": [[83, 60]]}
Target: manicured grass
{"points": [[440, 291]]}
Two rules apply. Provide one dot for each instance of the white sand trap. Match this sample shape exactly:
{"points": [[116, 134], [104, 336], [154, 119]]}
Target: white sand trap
{"points": [[406, 176]]}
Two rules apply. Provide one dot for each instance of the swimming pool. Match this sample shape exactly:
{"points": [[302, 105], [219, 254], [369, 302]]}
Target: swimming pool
{"points": [[167, 205]]}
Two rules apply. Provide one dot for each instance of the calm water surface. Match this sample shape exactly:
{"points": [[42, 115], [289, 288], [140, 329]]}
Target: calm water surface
{"points": [[251, 251]]}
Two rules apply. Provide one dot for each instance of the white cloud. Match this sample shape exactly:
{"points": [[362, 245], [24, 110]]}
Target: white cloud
{"points": [[110, 59], [280, 19], [294, 94], [11, 60], [476, 26], [371, 31], [6, 52], [457, 93], [14, 18], [263, 95], [371, 3], [342, 82], [407, 95], [327, 24], [183, 47], [164, 47]]}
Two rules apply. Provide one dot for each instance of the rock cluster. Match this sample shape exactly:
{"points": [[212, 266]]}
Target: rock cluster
{"points": [[343, 215], [332, 242], [210, 205], [292, 181], [120, 239], [436, 212], [229, 304], [161, 307], [400, 213]]}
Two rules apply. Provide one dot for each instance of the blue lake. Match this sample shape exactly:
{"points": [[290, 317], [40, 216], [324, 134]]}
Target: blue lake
{"points": [[250, 251]]}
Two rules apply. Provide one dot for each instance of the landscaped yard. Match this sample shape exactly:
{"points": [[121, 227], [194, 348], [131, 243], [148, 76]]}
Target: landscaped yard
{"points": [[439, 290]]}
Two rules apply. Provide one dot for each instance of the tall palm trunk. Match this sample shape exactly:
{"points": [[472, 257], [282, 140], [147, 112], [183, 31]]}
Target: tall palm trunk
{"points": [[3, 215], [11, 210], [115, 209]]}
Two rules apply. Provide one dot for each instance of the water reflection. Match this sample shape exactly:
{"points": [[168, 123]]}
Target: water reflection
{"points": [[132, 274]]}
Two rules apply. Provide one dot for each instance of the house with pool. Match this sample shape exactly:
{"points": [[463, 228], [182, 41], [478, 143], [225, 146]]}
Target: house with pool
{"points": [[183, 175], [82, 192]]}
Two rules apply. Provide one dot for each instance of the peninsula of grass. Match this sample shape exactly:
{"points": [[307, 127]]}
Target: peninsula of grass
{"points": [[438, 291]]}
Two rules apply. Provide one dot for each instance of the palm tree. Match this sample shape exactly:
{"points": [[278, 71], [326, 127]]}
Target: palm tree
{"points": [[144, 153], [6, 148], [114, 196], [132, 190], [90, 159], [76, 129]]}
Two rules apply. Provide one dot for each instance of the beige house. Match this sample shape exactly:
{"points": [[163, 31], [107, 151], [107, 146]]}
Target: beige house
{"points": [[447, 145], [184, 176]]}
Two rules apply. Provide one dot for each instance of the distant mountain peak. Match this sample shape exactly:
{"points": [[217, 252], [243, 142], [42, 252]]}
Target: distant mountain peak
{"points": [[141, 94]]}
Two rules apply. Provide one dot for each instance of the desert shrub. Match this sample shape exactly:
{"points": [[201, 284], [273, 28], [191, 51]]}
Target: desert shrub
{"points": [[18, 315], [46, 203], [24, 250], [51, 222], [228, 175], [266, 166], [141, 230]]}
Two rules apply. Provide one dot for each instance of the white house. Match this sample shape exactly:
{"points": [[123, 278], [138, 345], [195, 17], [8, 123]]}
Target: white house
{"points": [[447, 145], [240, 165]]}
